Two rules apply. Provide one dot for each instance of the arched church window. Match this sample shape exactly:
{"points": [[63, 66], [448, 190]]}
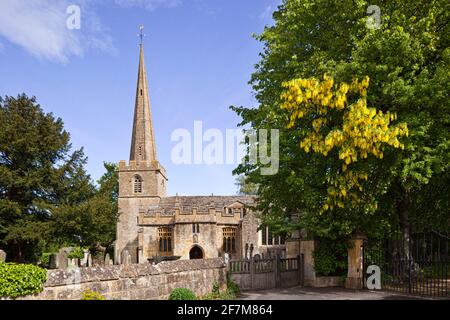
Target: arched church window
{"points": [[137, 184], [141, 92]]}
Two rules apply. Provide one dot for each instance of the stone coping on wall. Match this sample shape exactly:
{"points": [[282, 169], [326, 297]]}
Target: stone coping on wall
{"points": [[328, 281], [59, 277]]}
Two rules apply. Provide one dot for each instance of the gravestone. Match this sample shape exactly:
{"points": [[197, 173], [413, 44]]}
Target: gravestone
{"points": [[2, 256], [61, 260], [85, 260], [73, 263], [89, 260], [108, 261], [126, 257], [226, 258]]}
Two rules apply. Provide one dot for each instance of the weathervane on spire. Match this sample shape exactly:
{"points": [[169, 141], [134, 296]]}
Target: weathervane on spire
{"points": [[141, 33]]}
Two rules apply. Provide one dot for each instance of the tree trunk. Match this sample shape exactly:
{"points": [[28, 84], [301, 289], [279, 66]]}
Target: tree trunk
{"points": [[403, 208]]}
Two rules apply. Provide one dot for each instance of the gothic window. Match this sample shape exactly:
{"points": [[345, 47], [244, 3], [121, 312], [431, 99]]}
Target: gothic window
{"points": [[141, 92], [268, 239], [137, 184], [165, 241], [229, 240]]}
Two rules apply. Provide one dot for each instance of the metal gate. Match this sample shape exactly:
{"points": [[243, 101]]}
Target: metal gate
{"points": [[420, 266]]}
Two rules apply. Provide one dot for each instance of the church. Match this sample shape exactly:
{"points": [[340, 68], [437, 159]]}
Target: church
{"points": [[152, 225]]}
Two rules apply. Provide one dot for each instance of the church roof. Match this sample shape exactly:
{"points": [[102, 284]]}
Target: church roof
{"points": [[167, 205]]}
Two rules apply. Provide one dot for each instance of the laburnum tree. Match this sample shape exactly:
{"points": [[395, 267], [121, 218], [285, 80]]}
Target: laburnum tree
{"points": [[406, 61], [335, 117]]}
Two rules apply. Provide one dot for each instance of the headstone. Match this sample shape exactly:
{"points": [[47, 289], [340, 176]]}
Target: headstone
{"points": [[61, 259], [89, 260], [257, 257], [72, 263], [84, 261], [2, 256], [108, 261], [52, 261], [226, 257], [126, 257]]}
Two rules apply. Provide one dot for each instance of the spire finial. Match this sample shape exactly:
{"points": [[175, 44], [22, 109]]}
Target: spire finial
{"points": [[141, 33]]}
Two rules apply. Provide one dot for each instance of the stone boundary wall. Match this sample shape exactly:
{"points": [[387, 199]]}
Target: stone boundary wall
{"points": [[329, 281], [134, 281]]}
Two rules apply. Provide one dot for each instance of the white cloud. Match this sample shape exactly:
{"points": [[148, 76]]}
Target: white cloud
{"points": [[149, 4], [39, 26]]}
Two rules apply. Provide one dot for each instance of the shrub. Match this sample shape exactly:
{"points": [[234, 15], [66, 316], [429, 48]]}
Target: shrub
{"points": [[182, 294], [92, 295], [233, 287], [44, 259], [330, 258], [216, 288], [228, 294], [211, 296], [76, 253], [18, 280]]}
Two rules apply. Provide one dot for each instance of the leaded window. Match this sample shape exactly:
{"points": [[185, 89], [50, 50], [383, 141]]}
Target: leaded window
{"points": [[165, 236], [229, 240]]}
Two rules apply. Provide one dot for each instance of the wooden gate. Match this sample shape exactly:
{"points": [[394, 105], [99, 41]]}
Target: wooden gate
{"points": [[251, 274]]}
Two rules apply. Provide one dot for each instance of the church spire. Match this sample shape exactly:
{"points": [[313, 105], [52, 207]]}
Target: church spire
{"points": [[142, 142]]}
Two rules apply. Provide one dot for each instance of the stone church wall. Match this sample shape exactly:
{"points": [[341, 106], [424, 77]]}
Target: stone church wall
{"points": [[134, 281]]}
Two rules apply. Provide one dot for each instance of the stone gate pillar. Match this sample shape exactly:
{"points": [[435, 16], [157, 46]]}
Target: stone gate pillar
{"points": [[354, 278], [307, 249]]}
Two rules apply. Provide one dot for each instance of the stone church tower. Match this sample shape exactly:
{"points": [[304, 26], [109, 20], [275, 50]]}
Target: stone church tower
{"points": [[142, 182], [154, 227]]}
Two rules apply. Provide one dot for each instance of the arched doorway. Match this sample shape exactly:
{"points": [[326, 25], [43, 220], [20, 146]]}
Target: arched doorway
{"points": [[196, 253]]}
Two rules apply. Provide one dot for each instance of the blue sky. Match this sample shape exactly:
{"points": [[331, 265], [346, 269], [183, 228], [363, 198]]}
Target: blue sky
{"points": [[199, 56]]}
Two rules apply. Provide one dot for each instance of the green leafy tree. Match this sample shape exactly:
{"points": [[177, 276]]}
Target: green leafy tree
{"points": [[407, 61], [47, 199], [91, 223], [39, 176], [245, 187]]}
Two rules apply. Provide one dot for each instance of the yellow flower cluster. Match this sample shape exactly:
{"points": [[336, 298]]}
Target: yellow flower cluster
{"points": [[358, 130], [344, 187]]}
